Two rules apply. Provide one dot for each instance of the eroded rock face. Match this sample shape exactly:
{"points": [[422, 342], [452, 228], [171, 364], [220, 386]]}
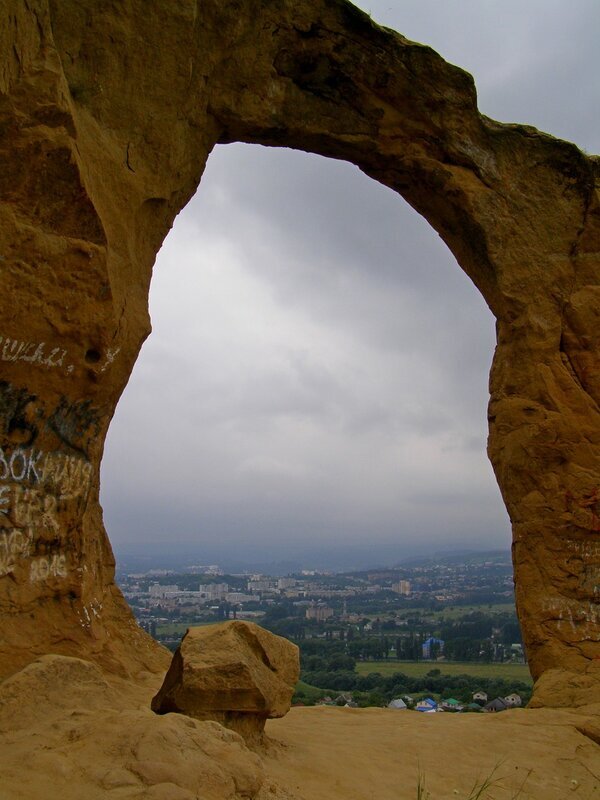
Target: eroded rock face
{"points": [[80, 737], [235, 673], [108, 112]]}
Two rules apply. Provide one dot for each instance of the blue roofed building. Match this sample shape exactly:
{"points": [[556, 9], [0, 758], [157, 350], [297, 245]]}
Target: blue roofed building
{"points": [[432, 647], [427, 705]]}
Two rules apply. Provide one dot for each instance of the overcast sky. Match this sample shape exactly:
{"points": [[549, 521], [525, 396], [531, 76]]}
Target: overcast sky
{"points": [[315, 386]]}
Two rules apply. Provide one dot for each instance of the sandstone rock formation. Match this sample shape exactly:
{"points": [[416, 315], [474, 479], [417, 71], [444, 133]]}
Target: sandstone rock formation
{"points": [[235, 673], [108, 112], [66, 732]]}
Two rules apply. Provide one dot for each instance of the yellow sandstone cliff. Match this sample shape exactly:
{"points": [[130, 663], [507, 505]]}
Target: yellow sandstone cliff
{"points": [[108, 112]]}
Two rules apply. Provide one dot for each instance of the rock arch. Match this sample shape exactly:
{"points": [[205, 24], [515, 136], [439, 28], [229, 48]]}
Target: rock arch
{"points": [[108, 111]]}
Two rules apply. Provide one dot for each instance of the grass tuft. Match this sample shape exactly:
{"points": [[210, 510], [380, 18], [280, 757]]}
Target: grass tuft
{"points": [[481, 788]]}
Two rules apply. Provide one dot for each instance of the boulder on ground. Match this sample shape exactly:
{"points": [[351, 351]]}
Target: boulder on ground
{"points": [[235, 673]]}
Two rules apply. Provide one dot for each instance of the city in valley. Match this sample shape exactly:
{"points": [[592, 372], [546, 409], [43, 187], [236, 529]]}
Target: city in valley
{"points": [[431, 634]]}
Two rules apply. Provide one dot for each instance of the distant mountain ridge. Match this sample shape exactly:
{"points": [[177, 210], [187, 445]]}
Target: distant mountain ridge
{"points": [[142, 562], [457, 557]]}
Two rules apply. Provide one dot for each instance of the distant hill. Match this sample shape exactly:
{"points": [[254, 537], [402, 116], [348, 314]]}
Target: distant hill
{"points": [[458, 557]]}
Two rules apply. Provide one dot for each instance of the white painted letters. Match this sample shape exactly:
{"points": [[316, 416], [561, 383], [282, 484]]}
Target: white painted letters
{"points": [[4, 498], [15, 544], [32, 485], [31, 352], [51, 567], [67, 476], [20, 465]]}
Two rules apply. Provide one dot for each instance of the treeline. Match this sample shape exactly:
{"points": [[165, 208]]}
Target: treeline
{"points": [[461, 687], [323, 652], [400, 648], [476, 636]]}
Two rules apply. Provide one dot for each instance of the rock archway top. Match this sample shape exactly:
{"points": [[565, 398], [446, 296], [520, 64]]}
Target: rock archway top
{"points": [[108, 112]]}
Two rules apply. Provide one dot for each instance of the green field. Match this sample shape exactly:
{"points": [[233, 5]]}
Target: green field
{"points": [[455, 612], [310, 693], [418, 669]]}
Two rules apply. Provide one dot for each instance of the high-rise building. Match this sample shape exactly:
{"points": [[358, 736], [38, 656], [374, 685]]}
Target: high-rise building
{"points": [[319, 613], [402, 587]]}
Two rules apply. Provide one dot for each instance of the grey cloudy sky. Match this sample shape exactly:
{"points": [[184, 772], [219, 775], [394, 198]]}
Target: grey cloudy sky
{"points": [[315, 387]]}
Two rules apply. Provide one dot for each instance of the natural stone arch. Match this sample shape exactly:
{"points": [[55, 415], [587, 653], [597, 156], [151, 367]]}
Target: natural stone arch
{"points": [[108, 111]]}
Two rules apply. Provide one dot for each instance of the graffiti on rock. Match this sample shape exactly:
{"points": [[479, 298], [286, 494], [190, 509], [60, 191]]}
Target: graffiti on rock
{"points": [[37, 353], [34, 486]]}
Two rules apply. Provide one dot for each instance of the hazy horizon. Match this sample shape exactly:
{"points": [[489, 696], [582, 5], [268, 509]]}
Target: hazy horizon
{"points": [[138, 560]]}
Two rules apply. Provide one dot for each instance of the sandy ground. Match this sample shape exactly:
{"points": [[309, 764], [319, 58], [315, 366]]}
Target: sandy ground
{"points": [[377, 754], [69, 732]]}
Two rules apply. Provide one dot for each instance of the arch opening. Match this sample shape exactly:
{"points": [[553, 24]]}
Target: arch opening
{"points": [[304, 361]]}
